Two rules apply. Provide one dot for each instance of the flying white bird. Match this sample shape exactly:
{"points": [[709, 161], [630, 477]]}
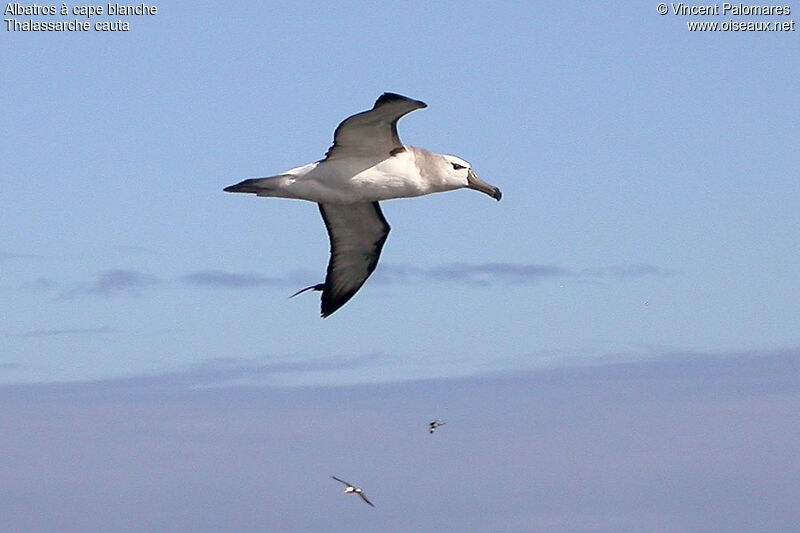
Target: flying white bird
{"points": [[366, 164], [350, 489], [435, 424]]}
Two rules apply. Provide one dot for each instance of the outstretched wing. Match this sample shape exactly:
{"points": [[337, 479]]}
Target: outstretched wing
{"points": [[372, 133], [365, 498], [357, 233], [341, 481]]}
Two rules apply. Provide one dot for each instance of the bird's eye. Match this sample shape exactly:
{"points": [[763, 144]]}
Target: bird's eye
{"points": [[456, 166]]}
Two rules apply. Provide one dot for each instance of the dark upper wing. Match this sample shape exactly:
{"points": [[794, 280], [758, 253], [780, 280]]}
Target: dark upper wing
{"points": [[357, 233], [341, 481], [372, 133], [365, 498]]}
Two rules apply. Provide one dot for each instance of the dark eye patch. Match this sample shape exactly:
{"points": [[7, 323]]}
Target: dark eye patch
{"points": [[456, 166]]}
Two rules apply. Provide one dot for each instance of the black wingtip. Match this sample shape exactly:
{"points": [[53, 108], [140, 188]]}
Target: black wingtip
{"points": [[386, 98], [248, 185], [330, 305]]}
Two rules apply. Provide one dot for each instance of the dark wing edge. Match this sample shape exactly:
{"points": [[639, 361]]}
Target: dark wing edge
{"points": [[341, 481], [365, 499], [357, 233], [402, 106]]}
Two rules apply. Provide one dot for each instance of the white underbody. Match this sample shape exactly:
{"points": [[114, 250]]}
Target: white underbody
{"points": [[356, 180]]}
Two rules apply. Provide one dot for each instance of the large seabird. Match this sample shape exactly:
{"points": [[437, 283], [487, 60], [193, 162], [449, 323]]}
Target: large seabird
{"points": [[435, 424], [350, 489], [366, 164]]}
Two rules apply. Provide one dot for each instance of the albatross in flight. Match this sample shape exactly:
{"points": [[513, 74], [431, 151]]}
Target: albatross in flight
{"points": [[366, 164], [350, 489], [435, 424]]}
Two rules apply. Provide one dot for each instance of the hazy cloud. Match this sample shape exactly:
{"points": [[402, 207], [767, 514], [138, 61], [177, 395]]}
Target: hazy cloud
{"points": [[114, 282], [39, 285], [232, 370], [508, 273], [135, 250], [235, 371], [69, 331], [635, 270], [5, 256], [126, 281], [464, 273], [230, 280]]}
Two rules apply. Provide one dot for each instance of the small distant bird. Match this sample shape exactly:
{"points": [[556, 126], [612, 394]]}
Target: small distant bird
{"points": [[366, 164], [350, 489], [435, 424]]}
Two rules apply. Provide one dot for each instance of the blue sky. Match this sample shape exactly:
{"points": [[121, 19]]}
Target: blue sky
{"points": [[651, 202]]}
